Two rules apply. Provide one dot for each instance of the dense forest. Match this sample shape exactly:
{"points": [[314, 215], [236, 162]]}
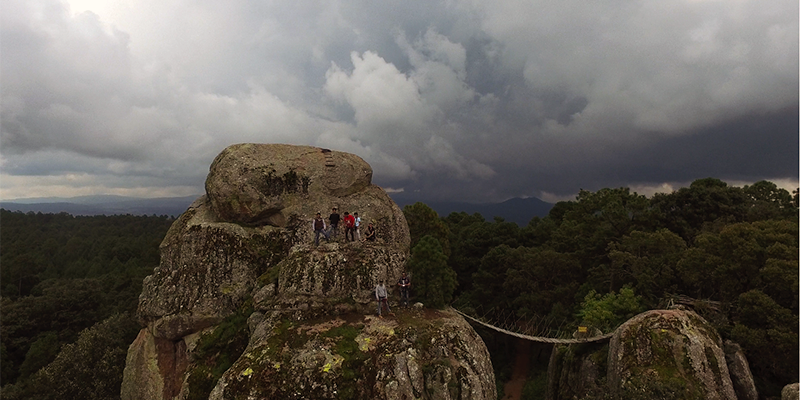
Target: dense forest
{"points": [[70, 284], [70, 287], [611, 254]]}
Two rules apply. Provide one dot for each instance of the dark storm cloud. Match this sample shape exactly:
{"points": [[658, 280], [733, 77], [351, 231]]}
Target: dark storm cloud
{"points": [[477, 101]]}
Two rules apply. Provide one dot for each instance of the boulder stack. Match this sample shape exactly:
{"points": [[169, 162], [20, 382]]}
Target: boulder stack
{"points": [[243, 304]]}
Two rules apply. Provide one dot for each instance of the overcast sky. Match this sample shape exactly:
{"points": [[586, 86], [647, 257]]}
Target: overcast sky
{"points": [[474, 101]]}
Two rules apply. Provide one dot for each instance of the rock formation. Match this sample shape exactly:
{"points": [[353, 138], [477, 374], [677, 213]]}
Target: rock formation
{"points": [[577, 371], [244, 305], [791, 392], [659, 354], [739, 368], [669, 354]]}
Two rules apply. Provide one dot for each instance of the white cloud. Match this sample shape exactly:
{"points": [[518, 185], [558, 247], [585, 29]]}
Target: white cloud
{"points": [[468, 99]]}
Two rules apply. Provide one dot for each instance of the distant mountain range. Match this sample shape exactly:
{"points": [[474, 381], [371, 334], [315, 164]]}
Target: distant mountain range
{"points": [[519, 211], [102, 205]]}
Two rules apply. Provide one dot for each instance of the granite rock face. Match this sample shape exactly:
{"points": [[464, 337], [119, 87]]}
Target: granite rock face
{"points": [[575, 371], [263, 183], [668, 354], [241, 285], [791, 392], [658, 354], [432, 356], [739, 368]]}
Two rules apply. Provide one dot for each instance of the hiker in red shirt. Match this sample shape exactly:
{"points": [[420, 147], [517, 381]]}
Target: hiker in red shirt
{"points": [[349, 227]]}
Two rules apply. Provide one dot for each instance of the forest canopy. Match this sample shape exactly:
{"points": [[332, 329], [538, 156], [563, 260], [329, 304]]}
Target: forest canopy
{"points": [[612, 253], [70, 285], [65, 280]]}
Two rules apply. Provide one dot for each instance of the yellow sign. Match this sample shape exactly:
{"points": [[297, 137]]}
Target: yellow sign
{"points": [[581, 329]]}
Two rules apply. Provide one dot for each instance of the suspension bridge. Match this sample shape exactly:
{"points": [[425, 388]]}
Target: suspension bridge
{"points": [[539, 339]]}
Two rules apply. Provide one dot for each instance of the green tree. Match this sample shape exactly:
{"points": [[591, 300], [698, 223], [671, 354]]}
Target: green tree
{"points": [[768, 201], [90, 368], [422, 221], [487, 282], [41, 353], [434, 280], [644, 260], [542, 282], [687, 210], [7, 367], [471, 237], [768, 334], [609, 311], [744, 256], [596, 219]]}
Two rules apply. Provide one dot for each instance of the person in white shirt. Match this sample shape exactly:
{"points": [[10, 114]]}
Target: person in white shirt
{"points": [[358, 223], [382, 296]]}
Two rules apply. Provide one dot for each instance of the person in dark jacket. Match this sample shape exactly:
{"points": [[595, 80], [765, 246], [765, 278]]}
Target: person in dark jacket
{"points": [[318, 224], [334, 219], [405, 286], [369, 234]]}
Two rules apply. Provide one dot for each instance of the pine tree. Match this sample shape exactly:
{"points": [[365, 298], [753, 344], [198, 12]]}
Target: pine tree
{"points": [[434, 281]]}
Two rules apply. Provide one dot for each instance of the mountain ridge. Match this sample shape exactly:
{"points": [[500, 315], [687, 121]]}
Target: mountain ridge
{"points": [[102, 205], [517, 210]]}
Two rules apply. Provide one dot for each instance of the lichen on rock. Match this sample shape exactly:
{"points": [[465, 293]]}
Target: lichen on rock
{"points": [[668, 354], [244, 304], [365, 357]]}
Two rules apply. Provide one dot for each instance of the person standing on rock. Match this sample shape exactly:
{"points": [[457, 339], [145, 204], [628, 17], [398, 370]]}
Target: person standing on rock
{"points": [[349, 227], [358, 224], [405, 286], [319, 228], [334, 219], [382, 295]]}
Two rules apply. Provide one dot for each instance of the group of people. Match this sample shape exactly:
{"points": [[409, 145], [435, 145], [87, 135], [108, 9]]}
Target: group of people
{"points": [[352, 225], [382, 295]]}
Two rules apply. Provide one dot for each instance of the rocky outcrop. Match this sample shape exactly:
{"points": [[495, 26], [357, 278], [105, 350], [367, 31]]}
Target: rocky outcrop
{"points": [[668, 354], [739, 368], [436, 355], [791, 392], [577, 371], [659, 354], [242, 292]]}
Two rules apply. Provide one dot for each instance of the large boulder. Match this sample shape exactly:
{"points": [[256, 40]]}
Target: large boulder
{"points": [[245, 250], [791, 392], [432, 356], [255, 183], [668, 354], [154, 368]]}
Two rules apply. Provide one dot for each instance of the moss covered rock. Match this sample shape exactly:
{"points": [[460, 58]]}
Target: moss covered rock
{"points": [[668, 354], [208, 268], [243, 304], [418, 355]]}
